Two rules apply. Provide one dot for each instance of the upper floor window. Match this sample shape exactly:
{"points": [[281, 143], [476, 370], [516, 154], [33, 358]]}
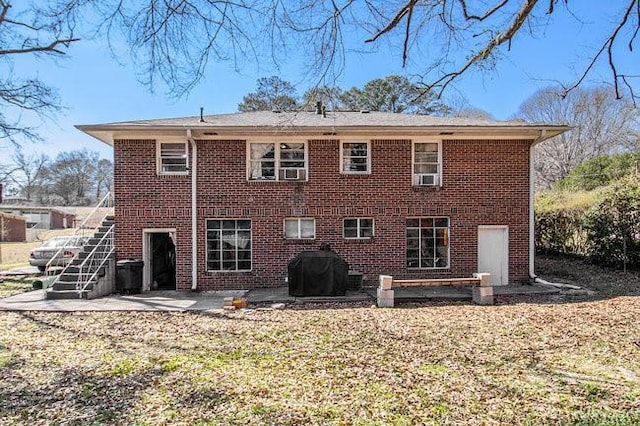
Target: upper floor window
{"points": [[172, 158], [277, 161], [428, 243], [298, 228], [358, 228], [427, 163], [356, 157]]}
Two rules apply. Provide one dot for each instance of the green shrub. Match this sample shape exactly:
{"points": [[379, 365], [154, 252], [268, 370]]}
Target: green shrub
{"points": [[600, 171], [561, 231], [613, 224]]}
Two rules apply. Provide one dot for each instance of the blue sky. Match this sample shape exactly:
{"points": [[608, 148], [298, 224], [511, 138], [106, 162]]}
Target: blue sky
{"points": [[95, 88]]}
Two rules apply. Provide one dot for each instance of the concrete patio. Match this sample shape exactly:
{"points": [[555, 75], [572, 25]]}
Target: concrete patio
{"points": [[213, 300]]}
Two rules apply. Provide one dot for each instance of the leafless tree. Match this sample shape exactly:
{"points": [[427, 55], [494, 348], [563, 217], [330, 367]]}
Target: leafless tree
{"points": [[71, 178], [459, 106], [26, 172], [28, 29], [445, 39], [601, 125], [104, 178]]}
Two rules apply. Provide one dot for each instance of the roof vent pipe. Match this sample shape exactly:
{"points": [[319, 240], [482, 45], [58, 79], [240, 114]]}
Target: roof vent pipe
{"points": [[202, 114], [319, 107]]}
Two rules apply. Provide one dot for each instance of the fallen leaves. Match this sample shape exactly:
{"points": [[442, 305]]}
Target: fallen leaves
{"points": [[522, 361]]}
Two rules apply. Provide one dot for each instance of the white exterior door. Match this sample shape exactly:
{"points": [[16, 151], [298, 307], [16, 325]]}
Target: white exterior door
{"points": [[493, 252]]}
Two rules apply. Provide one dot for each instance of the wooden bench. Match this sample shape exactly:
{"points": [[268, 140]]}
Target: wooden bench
{"points": [[436, 282], [482, 290]]}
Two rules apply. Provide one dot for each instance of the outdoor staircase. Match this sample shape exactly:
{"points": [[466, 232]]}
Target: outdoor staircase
{"points": [[80, 279]]}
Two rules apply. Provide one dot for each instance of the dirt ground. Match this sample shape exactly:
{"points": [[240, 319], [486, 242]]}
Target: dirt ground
{"points": [[605, 282]]}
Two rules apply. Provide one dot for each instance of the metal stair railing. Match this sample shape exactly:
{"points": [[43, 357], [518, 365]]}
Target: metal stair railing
{"points": [[90, 267], [84, 231]]}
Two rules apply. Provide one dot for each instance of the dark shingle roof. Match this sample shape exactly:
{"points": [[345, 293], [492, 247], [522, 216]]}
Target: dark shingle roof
{"points": [[311, 119], [310, 122]]}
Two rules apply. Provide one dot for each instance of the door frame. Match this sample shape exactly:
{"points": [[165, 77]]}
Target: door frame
{"points": [[505, 253], [147, 255]]}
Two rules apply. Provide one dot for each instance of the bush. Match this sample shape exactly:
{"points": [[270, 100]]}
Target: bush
{"points": [[561, 231], [600, 171], [613, 225]]}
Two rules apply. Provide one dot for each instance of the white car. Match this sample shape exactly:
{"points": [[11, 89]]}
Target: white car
{"points": [[42, 255]]}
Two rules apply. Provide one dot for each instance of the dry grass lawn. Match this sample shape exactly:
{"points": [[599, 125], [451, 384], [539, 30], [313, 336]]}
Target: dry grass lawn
{"points": [[522, 362], [15, 285]]}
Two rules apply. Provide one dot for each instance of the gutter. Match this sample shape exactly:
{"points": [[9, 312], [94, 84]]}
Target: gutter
{"points": [[194, 212]]}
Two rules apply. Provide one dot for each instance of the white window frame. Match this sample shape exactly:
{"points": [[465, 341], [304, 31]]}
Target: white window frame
{"points": [[359, 228], [298, 235], [206, 238], [342, 153], [414, 175], [420, 249], [159, 158], [278, 168]]}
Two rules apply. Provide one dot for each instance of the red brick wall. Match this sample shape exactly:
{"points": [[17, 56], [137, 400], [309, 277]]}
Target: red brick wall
{"points": [[70, 220], [57, 220], [484, 183], [145, 200], [13, 229]]}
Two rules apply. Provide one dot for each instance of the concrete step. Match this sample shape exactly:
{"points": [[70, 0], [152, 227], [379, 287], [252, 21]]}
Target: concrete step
{"points": [[66, 294], [68, 277], [74, 268], [68, 285]]}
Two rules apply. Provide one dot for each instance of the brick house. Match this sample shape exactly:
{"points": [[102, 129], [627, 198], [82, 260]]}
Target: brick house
{"points": [[232, 198]]}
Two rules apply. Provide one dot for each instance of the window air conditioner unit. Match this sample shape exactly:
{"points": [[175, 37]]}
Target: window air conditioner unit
{"points": [[293, 174], [430, 179]]}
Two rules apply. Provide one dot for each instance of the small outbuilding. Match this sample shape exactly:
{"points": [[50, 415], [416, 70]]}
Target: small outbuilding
{"points": [[13, 228]]}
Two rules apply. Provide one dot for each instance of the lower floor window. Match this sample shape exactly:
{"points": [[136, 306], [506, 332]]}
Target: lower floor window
{"points": [[228, 245], [428, 243], [357, 228]]}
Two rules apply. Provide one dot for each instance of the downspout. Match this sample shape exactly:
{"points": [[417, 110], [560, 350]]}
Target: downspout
{"points": [[532, 218], [194, 212]]}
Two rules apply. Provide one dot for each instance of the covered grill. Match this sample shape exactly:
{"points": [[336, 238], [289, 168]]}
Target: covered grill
{"points": [[317, 273]]}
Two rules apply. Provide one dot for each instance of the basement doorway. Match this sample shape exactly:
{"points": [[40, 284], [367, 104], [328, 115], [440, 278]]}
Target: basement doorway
{"points": [[159, 256]]}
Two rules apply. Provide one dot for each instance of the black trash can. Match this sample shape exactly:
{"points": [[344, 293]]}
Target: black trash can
{"points": [[129, 278]]}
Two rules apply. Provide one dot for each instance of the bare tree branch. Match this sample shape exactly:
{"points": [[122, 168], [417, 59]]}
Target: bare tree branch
{"points": [[404, 11], [482, 54], [29, 30], [51, 47], [487, 14], [608, 47]]}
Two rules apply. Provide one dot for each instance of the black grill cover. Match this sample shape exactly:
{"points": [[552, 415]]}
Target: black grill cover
{"points": [[317, 273]]}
